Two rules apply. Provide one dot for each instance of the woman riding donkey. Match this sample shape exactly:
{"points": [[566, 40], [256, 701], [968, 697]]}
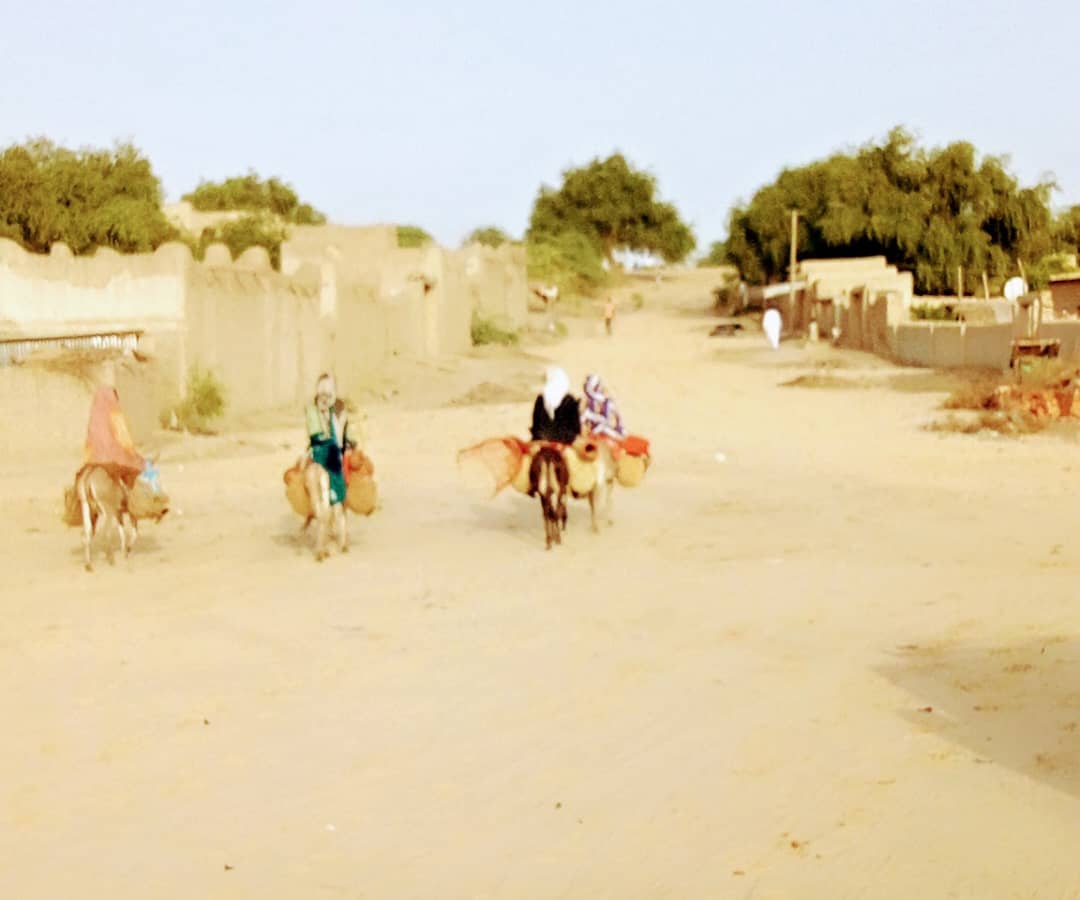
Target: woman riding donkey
{"points": [[599, 414], [327, 428]]}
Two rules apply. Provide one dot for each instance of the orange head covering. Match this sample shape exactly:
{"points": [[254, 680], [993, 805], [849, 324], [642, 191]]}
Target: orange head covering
{"points": [[108, 440]]}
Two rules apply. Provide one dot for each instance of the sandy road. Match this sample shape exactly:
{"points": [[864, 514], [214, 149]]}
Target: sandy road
{"points": [[840, 663]]}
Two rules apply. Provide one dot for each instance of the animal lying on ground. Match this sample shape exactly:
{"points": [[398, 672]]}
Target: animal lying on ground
{"points": [[110, 499], [549, 479]]}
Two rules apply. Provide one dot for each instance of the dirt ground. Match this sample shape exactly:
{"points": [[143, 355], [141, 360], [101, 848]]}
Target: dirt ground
{"points": [[822, 653]]}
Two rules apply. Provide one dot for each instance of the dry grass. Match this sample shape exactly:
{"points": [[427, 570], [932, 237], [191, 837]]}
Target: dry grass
{"points": [[832, 382], [83, 365], [1012, 424]]}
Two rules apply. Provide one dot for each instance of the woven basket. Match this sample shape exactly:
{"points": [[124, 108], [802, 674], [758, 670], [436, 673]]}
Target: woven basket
{"points": [[72, 514], [521, 479], [362, 497], [296, 492], [630, 470], [582, 470], [144, 503]]}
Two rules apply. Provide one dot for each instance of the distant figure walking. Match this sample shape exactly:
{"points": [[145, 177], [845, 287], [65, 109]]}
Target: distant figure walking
{"points": [[772, 325], [609, 315]]}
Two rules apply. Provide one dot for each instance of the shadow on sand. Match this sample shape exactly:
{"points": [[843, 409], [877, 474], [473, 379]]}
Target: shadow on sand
{"points": [[1015, 704]]}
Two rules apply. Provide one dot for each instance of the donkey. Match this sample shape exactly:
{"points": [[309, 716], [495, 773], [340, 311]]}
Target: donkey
{"points": [[105, 496], [323, 514], [603, 493], [592, 463], [549, 478]]}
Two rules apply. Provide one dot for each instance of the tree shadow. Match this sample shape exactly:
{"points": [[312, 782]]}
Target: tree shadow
{"points": [[1015, 704]]}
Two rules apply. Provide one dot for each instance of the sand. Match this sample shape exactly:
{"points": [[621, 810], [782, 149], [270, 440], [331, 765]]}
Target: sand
{"points": [[821, 653]]}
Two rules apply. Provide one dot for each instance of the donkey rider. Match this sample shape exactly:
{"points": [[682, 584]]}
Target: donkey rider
{"points": [[327, 427]]}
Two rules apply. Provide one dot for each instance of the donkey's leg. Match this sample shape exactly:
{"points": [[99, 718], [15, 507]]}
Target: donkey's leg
{"points": [[342, 527], [105, 527], [122, 533], [133, 534], [88, 529]]}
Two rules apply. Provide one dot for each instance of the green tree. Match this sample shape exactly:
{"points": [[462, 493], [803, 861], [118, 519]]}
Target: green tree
{"points": [[1067, 229], [926, 211], [569, 260], [413, 236], [615, 206], [490, 236], [87, 198], [240, 234], [252, 193]]}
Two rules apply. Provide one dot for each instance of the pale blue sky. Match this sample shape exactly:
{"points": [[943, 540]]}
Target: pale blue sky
{"points": [[451, 114]]}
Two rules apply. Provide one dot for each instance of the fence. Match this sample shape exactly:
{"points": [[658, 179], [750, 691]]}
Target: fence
{"points": [[15, 349]]}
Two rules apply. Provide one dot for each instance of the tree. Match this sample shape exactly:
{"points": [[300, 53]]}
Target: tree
{"points": [[240, 234], [490, 236], [86, 198], [568, 260], [615, 207], [1067, 229], [413, 236], [251, 193], [929, 212]]}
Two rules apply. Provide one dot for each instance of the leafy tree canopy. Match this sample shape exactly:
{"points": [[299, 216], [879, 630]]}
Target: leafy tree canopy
{"points": [[87, 198], [615, 207], [251, 193], [413, 236], [239, 234], [927, 211], [490, 236]]}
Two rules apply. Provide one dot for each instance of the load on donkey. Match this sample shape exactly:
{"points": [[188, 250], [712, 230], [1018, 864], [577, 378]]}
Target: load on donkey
{"points": [[594, 449], [116, 486], [333, 476]]}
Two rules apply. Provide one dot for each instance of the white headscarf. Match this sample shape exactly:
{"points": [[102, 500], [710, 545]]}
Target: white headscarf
{"points": [[555, 389], [326, 393]]}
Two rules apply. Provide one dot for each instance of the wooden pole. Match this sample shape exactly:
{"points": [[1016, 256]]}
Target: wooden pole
{"points": [[960, 282], [986, 285], [791, 263]]}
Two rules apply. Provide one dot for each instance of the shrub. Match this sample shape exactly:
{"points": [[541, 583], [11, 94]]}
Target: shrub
{"points": [[491, 236], [486, 331], [568, 260], [240, 234], [413, 236], [932, 312], [203, 403], [249, 192]]}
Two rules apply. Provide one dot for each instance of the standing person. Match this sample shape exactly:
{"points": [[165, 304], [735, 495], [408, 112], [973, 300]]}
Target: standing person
{"points": [[327, 427], [609, 315], [556, 416], [600, 415], [108, 439]]}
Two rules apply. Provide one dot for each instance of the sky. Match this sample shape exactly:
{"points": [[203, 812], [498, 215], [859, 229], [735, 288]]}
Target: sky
{"points": [[451, 115]]}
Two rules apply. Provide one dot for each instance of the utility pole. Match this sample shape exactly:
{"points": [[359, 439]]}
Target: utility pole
{"points": [[791, 264], [794, 240]]}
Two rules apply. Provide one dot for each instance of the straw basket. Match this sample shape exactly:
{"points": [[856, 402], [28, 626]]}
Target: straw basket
{"points": [[581, 461], [362, 497], [296, 492], [520, 482], [630, 470], [72, 514]]}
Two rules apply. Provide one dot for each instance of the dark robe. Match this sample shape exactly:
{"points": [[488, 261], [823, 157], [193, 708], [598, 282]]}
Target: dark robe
{"points": [[563, 428]]}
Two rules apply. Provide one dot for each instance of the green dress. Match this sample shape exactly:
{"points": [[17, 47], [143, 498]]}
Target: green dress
{"points": [[326, 450]]}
